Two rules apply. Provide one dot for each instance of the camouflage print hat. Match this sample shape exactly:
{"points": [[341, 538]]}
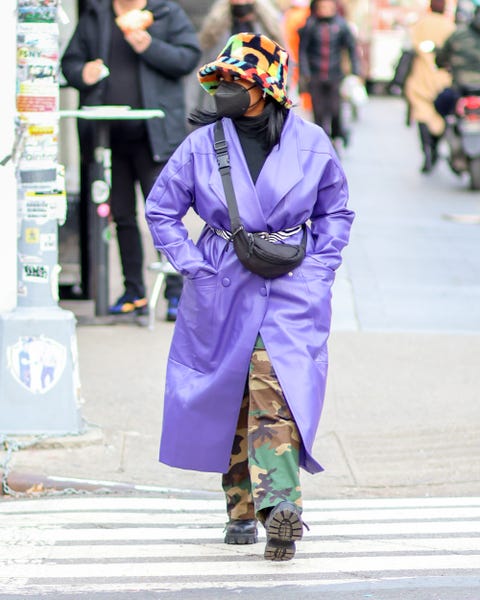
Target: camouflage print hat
{"points": [[253, 57]]}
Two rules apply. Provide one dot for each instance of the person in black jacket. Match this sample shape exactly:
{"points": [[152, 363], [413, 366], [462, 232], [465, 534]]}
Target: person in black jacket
{"points": [[460, 54], [323, 39], [142, 68]]}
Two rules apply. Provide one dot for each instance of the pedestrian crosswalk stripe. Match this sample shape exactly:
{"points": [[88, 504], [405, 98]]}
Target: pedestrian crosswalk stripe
{"points": [[213, 505], [110, 544], [99, 551], [160, 518], [308, 566], [93, 532], [340, 584]]}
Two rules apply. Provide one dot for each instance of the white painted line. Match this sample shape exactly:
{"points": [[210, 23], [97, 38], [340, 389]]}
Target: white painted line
{"points": [[52, 535], [111, 503], [162, 569], [59, 519], [206, 518], [115, 503], [340, 584], [220, 550], [20, 585]]}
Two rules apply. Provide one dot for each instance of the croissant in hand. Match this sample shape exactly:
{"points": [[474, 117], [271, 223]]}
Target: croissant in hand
{"points": [[134, 19]]}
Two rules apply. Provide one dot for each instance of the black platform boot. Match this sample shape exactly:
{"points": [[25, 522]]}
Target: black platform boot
{"points": [[241, 531], [284, 526]]}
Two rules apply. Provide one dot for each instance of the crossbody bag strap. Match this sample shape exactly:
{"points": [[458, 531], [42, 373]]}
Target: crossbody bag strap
{"points": [[223, 160]]}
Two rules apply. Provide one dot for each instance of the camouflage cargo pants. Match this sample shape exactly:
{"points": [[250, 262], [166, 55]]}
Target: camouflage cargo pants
{"points": [[264, 464]]}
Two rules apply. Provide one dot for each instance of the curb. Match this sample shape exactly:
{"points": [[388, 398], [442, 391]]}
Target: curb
{"points": [[90, 435], [33, 485]]}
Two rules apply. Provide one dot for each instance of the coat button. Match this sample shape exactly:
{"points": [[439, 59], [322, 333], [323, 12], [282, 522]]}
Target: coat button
{"points": [[226, 281], [263, 291]]}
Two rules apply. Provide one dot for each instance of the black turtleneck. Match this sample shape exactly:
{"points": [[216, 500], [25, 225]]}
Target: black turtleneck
{"points": [[252, 132]]}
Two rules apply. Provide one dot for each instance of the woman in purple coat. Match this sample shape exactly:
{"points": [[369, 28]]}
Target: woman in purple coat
{"points": [[247, 366]]}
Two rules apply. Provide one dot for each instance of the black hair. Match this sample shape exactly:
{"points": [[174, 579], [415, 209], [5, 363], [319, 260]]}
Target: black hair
{"points": [[276, 119]]}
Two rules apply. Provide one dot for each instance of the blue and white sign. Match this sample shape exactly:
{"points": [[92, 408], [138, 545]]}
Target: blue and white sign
{"points": [[36, 363]]}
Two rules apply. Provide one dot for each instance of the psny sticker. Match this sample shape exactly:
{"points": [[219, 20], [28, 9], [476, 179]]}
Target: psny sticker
{"points": [[35, 273]]}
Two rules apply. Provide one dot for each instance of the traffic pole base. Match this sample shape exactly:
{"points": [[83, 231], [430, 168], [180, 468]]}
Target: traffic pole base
{"points": [[39, 374]]}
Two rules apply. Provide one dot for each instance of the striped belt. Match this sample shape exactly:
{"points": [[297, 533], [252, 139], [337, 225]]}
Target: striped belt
{"points": [[276, 236]]}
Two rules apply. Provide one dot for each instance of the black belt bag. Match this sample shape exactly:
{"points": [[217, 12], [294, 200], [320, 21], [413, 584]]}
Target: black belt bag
{"points": [[258, 255]]}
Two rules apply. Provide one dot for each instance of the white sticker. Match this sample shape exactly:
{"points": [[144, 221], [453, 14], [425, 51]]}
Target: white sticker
{"points": [[35, 273], [36, 363], [100, 191], [26, 258], [48, 242], [44, 205], [22, 289]]}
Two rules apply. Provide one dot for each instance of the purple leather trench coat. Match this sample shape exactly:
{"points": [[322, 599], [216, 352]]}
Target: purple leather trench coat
{"points": [[223, 306]]}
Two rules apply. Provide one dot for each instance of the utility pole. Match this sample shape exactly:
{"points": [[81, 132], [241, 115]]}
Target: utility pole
{"points": [[39, 374]]}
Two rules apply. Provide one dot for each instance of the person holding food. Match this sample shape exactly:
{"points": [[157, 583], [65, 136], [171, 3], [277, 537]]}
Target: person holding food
{"points": [[135, 53]]}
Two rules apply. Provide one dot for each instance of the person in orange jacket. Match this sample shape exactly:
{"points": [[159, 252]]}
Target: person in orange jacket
{"points": [[294, 18]]}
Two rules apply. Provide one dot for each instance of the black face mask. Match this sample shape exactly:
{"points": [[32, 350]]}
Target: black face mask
{"points": [[232, 99], [241, 10]]}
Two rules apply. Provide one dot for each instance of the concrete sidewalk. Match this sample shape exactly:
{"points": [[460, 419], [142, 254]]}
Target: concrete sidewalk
{"points": [[391, 426], [402, 416]]}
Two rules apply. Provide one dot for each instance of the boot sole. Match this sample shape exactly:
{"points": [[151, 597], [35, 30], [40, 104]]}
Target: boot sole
{"points": [[241, 538], [283, 530]]}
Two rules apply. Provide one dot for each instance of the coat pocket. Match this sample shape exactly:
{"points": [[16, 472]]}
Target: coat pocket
{"points": [[318, 279], [196, 329]]}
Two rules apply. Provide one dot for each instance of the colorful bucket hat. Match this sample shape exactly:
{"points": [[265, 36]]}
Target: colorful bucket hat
{"points": [[253, 57]]}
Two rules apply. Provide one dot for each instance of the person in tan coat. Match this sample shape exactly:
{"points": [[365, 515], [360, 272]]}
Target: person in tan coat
{"points": [[426, 81], [228, 17]]}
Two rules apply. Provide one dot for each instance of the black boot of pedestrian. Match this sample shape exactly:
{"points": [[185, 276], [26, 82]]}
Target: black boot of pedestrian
{"points": [[284, 527], [426, 140], [428, 161], [435, 140], [241, 531]]}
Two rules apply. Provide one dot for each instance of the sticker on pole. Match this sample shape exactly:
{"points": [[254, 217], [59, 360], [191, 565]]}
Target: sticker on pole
{"points": [[48, 242], [103, 210], [100, 191], [35, 273], [32, 235], [36, 363]]}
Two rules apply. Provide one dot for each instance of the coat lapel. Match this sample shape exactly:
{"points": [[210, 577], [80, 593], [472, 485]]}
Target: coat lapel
{"points": [[280, 173], [282, 169], [248, 202]]}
